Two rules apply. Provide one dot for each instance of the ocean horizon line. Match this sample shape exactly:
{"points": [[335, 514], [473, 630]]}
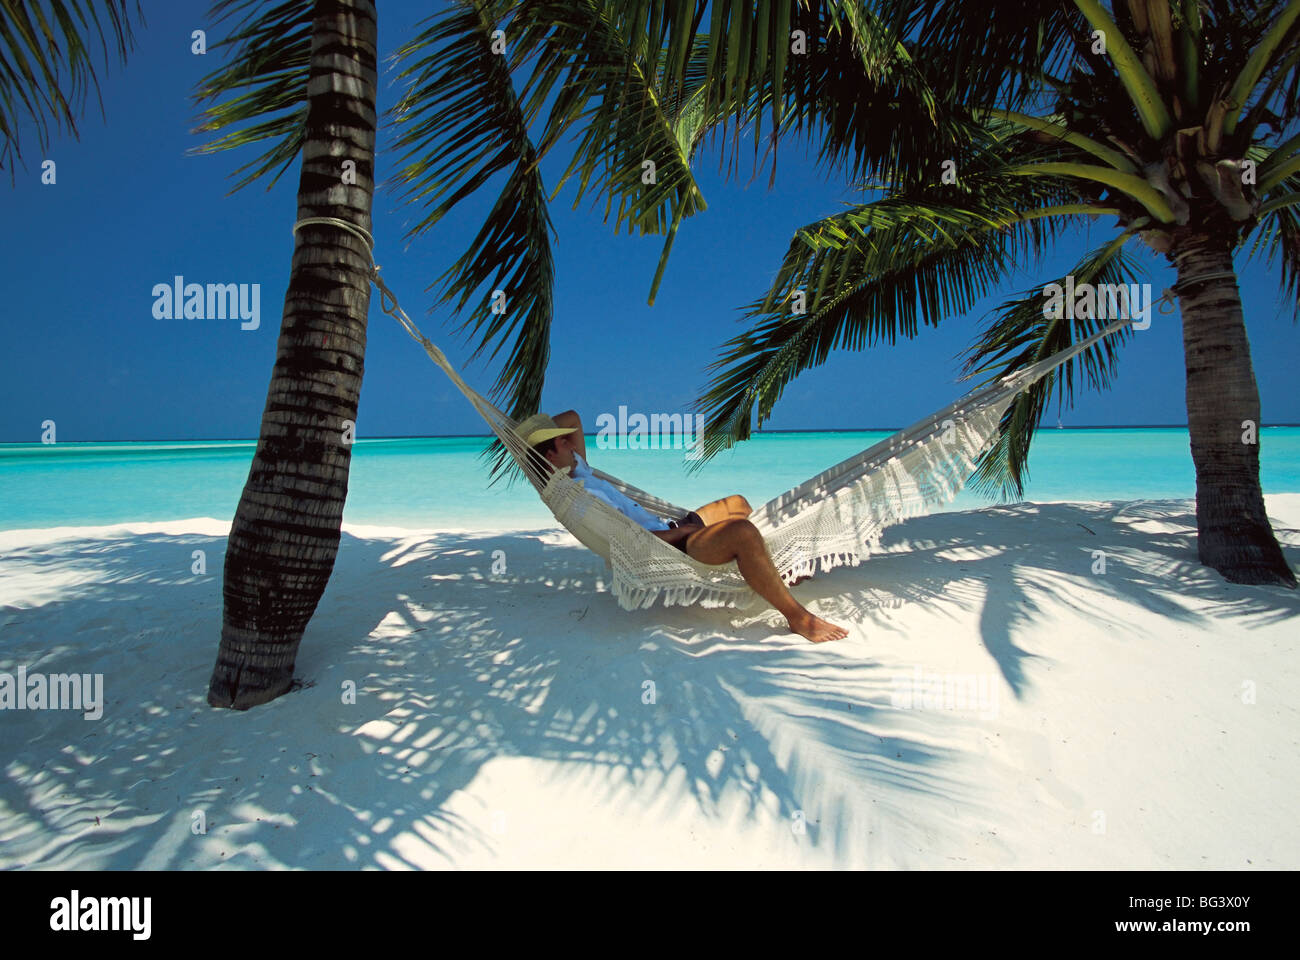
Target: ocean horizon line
{"points": [[471, 436]]}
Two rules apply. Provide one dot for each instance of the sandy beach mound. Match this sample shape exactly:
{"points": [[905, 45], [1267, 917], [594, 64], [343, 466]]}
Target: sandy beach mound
{"points": [[1000, 701]]}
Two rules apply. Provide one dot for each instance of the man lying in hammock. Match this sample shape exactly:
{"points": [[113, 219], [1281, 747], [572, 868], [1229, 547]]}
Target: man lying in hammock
{"points": [[716, 533]]}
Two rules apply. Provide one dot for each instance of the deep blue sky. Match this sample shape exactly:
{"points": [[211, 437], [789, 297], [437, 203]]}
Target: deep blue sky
{"points": [[130, 210]]}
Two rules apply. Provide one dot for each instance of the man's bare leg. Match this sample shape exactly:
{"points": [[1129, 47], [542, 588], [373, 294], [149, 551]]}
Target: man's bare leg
{"points": [[734, 507], [740, 540]]}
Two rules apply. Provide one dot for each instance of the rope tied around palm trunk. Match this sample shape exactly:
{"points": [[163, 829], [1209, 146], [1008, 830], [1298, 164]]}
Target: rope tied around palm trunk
{"points": [[387, 299], [385, 294], [1173, 293]]}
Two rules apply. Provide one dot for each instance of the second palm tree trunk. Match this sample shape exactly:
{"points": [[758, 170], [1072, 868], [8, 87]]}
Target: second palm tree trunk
{"points": [[1223, 421]]}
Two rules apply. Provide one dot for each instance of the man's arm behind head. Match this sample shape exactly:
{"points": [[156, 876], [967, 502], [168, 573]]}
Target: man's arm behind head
{"points": [[570, 418]]}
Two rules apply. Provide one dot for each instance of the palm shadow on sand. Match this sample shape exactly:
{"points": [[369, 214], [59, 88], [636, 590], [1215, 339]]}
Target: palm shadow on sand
{"points": [[455, 667]]}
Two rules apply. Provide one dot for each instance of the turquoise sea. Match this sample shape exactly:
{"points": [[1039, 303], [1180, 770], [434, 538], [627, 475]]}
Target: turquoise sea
{"points": [[442, 481]]}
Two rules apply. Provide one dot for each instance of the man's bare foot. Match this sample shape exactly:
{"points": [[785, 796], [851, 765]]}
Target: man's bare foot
{"points": [[815, 628]]}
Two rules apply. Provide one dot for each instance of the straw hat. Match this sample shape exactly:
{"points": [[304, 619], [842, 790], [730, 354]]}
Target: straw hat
{"points": [[539, 427]]}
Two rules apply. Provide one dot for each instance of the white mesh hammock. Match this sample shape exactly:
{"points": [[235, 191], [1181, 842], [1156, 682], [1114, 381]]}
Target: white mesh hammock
{"points": [[834, 519]]}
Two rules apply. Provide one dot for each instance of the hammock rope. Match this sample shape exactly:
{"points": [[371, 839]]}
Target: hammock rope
{"points": [[831, 520]]}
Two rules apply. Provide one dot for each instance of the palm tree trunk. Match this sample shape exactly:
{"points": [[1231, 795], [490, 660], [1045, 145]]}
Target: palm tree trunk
{"points": [[1233, 532], [285, 535]]}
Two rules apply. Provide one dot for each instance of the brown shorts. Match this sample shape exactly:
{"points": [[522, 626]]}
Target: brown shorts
{"points": [[691, 519]]}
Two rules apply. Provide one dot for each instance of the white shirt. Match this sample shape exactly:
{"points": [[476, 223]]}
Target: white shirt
{"points": [[604, 490]]}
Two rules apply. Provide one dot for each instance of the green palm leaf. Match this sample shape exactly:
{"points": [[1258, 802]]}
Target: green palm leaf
{"points": [[982, 53], [1278, 236], [1019, 336], [588, 68], [862, 99], [459, 124], [46, 68], [870, 275], [260, 92]]}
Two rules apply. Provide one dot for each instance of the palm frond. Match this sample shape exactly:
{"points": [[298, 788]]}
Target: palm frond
{"points": [[260, 93], [862, 98], [742, 42], [870, 274], [851, 78], [46, 67], [1021, 335], [1283, 34], [459, 124], [1276, 101], [634, 148], [688, 123], [979, 53], [1277, 236]]}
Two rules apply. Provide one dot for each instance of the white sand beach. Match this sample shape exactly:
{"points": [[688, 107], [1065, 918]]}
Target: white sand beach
{"points": [[1146, 717]]}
